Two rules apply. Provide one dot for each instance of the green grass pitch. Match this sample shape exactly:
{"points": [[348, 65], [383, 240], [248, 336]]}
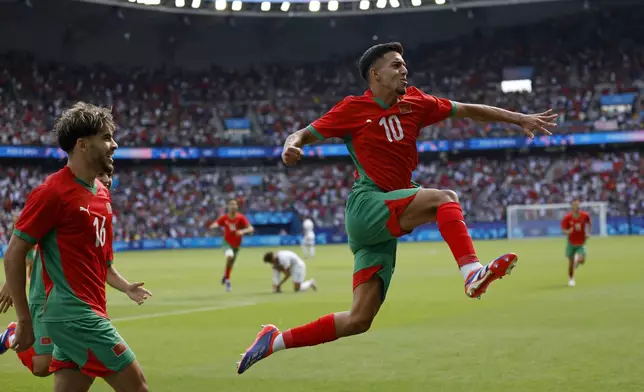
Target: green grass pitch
{"points": [[530, 332]]}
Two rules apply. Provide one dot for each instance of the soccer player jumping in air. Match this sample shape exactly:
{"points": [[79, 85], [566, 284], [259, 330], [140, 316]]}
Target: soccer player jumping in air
{"points": [[69, 216], [380, 129]]}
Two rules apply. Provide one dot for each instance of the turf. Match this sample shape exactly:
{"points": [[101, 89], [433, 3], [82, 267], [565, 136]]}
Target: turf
{"points": [[530, 332]]}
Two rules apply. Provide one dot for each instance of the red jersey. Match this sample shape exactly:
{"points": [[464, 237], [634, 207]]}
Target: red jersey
{"points": [[231, 225], [578, 224], [382, 139], [72, 223]]}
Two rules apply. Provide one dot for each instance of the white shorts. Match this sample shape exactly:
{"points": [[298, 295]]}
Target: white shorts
{"points": [[308, 240], [298, 273]]}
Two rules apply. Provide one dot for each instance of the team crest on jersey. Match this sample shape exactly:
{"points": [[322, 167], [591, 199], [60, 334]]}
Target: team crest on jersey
{"points": [[109, 207], [405, 108]]}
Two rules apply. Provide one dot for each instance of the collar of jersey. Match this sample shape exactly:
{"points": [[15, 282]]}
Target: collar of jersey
{"points": [[379, 101]]}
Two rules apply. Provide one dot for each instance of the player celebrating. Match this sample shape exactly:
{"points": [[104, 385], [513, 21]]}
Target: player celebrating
{"points": [[574, 226], [38, 357], [380, 130], [235, 227], [308, 238], [290, 264], [69, 216]]}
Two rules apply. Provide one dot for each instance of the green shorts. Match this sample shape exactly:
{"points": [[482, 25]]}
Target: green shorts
{"points": [[43, 344], [373, 229], [572, 250], [91, 345]]}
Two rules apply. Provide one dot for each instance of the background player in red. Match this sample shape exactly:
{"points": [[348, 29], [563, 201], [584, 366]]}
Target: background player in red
{"points": [[577, 226], [235, 225], [380, 129], [69, 216]]}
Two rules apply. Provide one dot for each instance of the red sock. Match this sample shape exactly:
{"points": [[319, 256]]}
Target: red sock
{"points": [[27, 358], [227, 273], [319, 331], [451, 224]]}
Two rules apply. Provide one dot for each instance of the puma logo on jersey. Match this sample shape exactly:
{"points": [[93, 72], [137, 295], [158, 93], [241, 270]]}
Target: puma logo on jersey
{"points": [[368, 120], [86, 210]]}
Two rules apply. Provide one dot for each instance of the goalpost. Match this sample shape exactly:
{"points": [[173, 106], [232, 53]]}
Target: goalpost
{"points": [[544, 220]]}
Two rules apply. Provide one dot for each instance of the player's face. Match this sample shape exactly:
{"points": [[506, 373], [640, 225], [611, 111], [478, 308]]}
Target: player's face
{"points": [[233, 206], [575, 206], [101, 148], [106, 179], [392, 72]]}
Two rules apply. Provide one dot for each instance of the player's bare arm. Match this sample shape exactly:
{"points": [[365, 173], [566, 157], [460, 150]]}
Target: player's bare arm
{"points": [[135, 291], [5, 298], [214, 225], [293, 145], [248, 230], [540, 122], [15, 270]]}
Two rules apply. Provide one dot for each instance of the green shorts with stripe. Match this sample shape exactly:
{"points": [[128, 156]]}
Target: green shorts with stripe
{"points": [[572, 250], [91, 345], [43, 344], [372, 226]]}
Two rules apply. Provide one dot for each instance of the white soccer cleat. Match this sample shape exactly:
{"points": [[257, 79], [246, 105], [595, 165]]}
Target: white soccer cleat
{"points": [[571, 283]]}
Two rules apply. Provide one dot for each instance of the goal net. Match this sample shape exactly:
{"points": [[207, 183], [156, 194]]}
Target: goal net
{"points": [[544, 220]]}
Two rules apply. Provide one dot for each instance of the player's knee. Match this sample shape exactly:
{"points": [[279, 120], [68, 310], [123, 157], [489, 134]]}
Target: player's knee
{"points": [[360, 323], [41, 371], [449, 196]]}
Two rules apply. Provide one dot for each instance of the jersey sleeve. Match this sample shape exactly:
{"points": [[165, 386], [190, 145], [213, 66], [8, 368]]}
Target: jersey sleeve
{"points": [[221, 220], [564, 223], [40, 215], [436, 109], [337, 122], [244, 221]]}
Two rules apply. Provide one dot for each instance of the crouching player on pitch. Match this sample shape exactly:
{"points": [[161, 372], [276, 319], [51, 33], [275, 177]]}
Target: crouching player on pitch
{"points": [[288, 263], [69, 216], [574, 226]]}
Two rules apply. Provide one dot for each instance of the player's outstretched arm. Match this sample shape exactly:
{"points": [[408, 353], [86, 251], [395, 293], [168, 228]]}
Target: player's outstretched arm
{"points": [[293, 145], [135, 291], [15, 271], [541, 122]]}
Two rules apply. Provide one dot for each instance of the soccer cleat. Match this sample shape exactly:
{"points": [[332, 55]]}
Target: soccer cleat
{"points": [[4, 338], [228, 285], [314, 286], [261, 348], [477, 281], [571, 283], [223, 280]]}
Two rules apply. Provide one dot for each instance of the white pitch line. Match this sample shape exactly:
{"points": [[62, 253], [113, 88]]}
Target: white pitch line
{"points": [[181, 312]]}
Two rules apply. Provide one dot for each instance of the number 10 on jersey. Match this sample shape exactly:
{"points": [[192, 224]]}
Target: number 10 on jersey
{"points": [[393, 128], [100, 231]]}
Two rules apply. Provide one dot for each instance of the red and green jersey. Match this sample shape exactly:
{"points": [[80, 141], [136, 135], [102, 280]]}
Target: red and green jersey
{"points": [[71, 221], [578, 225], [382, 139], [231, 225], [37, 294]]}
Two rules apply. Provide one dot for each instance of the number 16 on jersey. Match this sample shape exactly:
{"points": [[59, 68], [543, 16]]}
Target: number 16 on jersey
{"points": [[100, 231]]}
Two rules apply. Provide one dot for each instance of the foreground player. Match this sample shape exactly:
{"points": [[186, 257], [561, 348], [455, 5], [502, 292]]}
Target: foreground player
{"points": [[38, 357], [574, 226], [380, 129], [70, 217], [235, 227], [308, 238], [288, 263]]}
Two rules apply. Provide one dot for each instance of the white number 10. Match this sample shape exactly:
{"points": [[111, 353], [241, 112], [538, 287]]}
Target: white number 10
{"points": [[393, 128], [100, 232]]}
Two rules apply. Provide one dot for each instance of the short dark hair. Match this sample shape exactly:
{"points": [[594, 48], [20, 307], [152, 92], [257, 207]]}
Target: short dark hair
{"points": [[268, 257], [374, 54], [81, 120]]}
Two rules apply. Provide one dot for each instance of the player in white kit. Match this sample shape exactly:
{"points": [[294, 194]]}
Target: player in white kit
{"points": [[288, 263], [308, 239]]}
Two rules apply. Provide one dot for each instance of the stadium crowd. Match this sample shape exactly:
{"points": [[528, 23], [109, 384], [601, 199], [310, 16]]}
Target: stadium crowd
{"points": [[175, 108], [172, 202]]}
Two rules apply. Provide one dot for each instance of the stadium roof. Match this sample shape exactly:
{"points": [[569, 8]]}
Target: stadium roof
{"points": [[311, 8]]}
